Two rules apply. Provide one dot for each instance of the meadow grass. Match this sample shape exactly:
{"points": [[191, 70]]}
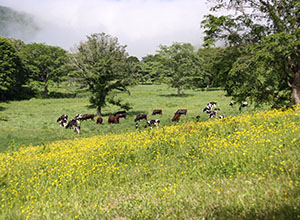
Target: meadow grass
{"points": [[240, 167], [34, 121]]}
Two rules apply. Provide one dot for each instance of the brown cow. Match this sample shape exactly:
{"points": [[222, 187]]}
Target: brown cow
{"points": [[113, 119], [181, 111], [121, 114], [87, 116], [176, 117], [140, 117], [99, 120], [157, 111]]}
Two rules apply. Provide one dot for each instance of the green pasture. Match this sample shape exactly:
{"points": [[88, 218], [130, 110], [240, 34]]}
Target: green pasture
{"points": [[34, 121]]}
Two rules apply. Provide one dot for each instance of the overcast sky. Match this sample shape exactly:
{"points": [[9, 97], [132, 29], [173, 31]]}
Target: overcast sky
{"points": [[142, 25]]}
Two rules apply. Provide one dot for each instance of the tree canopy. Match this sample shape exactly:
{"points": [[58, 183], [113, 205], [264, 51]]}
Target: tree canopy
{"points": [[182, 65], [12, 72], [266, 37], [45, 63], [103, 63]]}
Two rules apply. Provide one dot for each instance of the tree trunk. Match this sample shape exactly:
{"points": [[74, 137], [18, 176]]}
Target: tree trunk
{"points": [[296, 88], [178, 91], [99, 111], [182, 91], [296, 95], [46, 90]]}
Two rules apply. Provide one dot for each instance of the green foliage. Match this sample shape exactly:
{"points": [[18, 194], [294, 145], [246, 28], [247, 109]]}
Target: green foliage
{"points": [[151, 70], [181, 63], [208, 57], [45, 64], [12, 72], [104, 65], [265, 35]]}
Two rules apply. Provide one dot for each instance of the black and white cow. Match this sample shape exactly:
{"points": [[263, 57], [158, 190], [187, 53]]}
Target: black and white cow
{"points": [[222, 116], [150, 123], [244, 104], [74, 124], [63, 120], [213, 114]]}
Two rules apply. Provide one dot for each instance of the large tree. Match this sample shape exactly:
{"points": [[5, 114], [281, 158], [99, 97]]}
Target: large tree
{"points": [[12, 72], [104, 65], [182, 65], [266, 37], [44, 63]]}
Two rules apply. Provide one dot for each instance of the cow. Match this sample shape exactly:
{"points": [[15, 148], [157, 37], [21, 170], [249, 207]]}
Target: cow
{"points": [[198, 118], [63, 120], [73, 124], [99, 120], [113, 120], [157, 111], [222, 116], [181, 111], [212, 104], [212, 114], [231, 103], [87, 116], [176, 117], [140, 117], [244, 104], [121, 114], [153, 122]]}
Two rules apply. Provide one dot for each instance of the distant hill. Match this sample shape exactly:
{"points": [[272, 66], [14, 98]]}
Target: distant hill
{"points": [[17, 24]]}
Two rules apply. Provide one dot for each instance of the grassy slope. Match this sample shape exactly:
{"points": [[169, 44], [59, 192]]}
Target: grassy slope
{"points": [[236, 168], [34, 121]]}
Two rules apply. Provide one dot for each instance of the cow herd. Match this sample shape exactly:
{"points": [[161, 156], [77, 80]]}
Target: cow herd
{"points": [[211, 109]]}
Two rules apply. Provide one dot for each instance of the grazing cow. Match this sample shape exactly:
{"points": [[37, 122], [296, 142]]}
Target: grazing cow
{"points": [[231, 103], [73, 124], [140, 117], [87, 116], [212, 104], [153, 122], [198, 118], [157, 111], [181, 111], [99, 120], [176, 117], [212, 114], [136, 125], [63, 120], [222, 116], [244, 104], [113, 120], [121, 114]]}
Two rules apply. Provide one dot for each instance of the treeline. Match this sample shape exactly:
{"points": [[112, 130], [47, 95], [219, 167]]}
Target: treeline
{"points": [[100, 63], [260, 62]]}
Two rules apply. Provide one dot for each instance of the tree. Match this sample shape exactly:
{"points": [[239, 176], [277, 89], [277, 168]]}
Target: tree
{"points": [[152, 69], [12, 72], [182, 64], [103, 63], [44, 63], [266, 34], [209, 76]]}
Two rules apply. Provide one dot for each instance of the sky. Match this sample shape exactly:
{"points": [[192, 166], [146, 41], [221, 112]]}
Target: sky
{"points": [[142, 25]]}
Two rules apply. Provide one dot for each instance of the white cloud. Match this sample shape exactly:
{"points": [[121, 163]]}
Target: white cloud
{"points": [[142, 25]]}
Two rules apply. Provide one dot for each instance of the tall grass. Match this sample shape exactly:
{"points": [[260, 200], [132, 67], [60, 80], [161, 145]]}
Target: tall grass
{"points": [[241, 167], [34, 121]]}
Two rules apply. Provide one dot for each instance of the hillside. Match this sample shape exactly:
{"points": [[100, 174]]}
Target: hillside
{"points": [[16, 24], [241, 167]]}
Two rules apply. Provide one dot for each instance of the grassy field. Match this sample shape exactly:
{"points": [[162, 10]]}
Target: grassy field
{"points": [[241, 167], [34, 121]]}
